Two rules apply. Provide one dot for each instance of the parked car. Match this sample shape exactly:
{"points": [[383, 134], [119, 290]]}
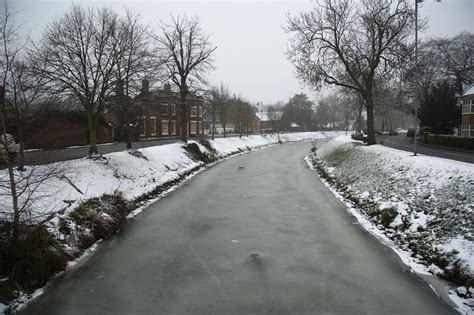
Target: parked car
{"points": [[9, 147], [411, 133], [393, 133], [359, 136]]}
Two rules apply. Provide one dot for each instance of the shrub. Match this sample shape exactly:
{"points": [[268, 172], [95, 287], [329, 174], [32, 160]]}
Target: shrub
{"points": [[196, 153], [207, 145], [99, 218], [387, 216], [30, 261], [450, 141]]}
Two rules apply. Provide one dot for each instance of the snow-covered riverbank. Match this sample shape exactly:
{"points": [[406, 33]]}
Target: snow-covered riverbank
{"points": [[137, 177], [422, 205]]}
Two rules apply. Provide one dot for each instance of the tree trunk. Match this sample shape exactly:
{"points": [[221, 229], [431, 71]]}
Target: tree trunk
{"points": [[223, 127], [11, 174], [370, 119], [21, 158], [184, 120], [213, 108], [128, 135], [93, 122]]}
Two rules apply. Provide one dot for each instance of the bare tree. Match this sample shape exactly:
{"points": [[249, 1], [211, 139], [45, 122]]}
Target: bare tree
{"points": [[275, 114], [431, 68], [222, 104], [186, 54], [347, 44], [10, 51], [218, 98], [79, 54], [242, 114], [25, 89], [458, 55], [134, 64]]}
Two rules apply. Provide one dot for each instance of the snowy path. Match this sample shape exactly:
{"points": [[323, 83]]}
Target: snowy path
{"points": [[268, 238]]}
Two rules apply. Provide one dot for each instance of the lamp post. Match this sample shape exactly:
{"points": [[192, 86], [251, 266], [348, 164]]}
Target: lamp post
{"points": [[417, 96]]}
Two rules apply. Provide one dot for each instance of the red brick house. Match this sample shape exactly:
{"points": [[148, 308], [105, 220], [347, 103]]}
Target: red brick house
{"points": [[161, 113], [467, 118]]}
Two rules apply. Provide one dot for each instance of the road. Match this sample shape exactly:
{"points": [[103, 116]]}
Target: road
{"points": [[255, 234], [402, 142], [49, 156], [35, 157]]}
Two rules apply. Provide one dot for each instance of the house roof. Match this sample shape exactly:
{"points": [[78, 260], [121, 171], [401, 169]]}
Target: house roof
{"points": [[469, 91], [268, 116]]}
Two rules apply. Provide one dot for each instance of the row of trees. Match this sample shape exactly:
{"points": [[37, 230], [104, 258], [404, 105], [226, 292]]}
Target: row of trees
{"points": [[84, 55], [352, 45], [446, 68], [86, 52], [366, 48], [224, 107]]}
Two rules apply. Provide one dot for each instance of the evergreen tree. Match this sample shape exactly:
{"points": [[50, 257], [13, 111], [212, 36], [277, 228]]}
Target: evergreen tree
{"points": [[439, 110]]}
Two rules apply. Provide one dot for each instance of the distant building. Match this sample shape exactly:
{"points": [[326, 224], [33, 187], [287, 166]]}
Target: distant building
{"points": [[269, 120], [467, 118], [160, 113]]}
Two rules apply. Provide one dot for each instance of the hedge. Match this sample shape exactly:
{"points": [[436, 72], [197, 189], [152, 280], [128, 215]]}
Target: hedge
{"points": [[450, 141]]}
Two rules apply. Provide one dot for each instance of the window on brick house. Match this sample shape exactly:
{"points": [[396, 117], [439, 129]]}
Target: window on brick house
{"points": [[164, 109], [153, 126], [193, 129], [164, 128], [193, 111], [172, 127], [143, 127]]}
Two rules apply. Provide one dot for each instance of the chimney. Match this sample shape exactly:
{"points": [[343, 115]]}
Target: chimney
{"points": [[167, 87], [145, 86], [119, 88]]}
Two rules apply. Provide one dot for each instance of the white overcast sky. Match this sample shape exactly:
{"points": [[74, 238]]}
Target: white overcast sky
{"points": [[250, 58]]}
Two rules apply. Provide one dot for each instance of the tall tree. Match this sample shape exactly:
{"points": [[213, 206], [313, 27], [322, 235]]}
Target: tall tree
{"points": [[347, 43], [218, 98], [242, 114], [221, 102], [458, 55], [275, 114], [133, 65], [9, 54], [186, 54], [298, 109], [323, 113], [439, 109], [78, 54], [25, 90]]}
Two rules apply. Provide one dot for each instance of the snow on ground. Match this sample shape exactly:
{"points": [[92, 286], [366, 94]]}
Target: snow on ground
{"points": [[433, 199], [133, 175], [118, 171], [228, 146]]}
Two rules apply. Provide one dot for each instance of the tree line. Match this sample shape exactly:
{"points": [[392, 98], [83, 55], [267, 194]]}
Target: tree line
{"points": [[84, 57], [86, 52], [366, 49]]}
